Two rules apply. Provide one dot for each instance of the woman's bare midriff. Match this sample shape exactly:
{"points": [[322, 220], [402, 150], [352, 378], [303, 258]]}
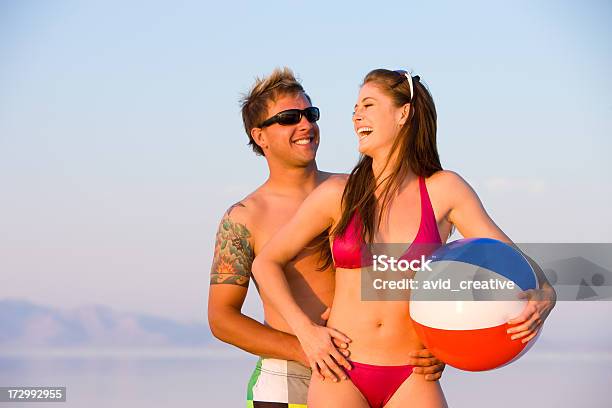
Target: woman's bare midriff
{"points": [[381, 332]]}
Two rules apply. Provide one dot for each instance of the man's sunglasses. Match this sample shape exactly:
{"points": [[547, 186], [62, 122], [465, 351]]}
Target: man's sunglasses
{"points": [[292, 117]]}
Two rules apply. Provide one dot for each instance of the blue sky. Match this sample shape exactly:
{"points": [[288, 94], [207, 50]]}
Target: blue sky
{"points": [[121, 142]]}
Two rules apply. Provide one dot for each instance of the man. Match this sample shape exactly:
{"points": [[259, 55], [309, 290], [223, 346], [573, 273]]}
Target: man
{"points": [[281, 125]]}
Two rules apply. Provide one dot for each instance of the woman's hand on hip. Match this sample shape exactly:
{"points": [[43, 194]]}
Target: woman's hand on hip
{"points": [[323, 356]]}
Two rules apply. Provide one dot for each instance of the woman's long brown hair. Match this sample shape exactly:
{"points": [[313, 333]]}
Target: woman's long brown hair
{"points": [[416, 145]]}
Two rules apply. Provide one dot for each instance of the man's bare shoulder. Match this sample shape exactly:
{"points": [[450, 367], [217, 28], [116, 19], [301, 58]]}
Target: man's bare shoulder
{"points": [[234, 243], [246, 210], [327, 174]]}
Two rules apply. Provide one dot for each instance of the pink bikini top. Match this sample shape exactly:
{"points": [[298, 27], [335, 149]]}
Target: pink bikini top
{"points": [[346, 248]]}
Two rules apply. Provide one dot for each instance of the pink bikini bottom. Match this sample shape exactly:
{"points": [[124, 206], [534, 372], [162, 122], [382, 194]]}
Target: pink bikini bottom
{"points": [[378, 383]]}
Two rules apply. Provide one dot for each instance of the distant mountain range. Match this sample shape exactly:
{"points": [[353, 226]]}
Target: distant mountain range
{"points": [[25, 325]]}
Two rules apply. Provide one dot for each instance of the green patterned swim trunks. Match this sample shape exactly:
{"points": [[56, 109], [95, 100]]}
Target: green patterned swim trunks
{"points": [[278, 384]]}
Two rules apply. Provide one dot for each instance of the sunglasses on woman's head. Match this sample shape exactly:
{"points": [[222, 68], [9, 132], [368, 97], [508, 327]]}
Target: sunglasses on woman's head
{"points": [[292, 117]]}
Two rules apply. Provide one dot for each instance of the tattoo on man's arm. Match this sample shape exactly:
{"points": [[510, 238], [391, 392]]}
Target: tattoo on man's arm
{"points": [[233, 254]]}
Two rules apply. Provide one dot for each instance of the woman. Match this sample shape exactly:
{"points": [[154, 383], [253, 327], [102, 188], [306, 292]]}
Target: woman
{"points": [[398, 192]]}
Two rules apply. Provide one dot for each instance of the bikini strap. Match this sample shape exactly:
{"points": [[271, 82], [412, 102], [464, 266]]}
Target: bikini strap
{"points": [[354, 226], [427, 213]]}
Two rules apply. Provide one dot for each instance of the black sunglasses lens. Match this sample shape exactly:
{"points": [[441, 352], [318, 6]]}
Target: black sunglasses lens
{"points": [[312, 114], [293, 116], [290, 117]]}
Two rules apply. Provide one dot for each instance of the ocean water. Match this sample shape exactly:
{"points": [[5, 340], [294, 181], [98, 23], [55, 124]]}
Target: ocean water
{"points": [[136, 381], [218, 379]]}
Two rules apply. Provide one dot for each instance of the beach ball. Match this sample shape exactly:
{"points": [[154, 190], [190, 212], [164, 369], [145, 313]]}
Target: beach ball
{"points": [[464, 299]]}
